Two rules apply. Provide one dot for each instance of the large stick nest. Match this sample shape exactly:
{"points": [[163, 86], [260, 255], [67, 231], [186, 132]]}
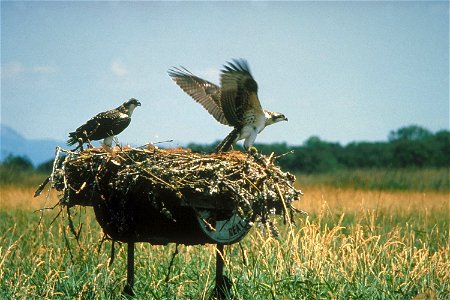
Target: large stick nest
{"points": [[250, 184]]}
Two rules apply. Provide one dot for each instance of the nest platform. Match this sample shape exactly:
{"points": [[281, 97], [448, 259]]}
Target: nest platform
{"points": [[159, 196]]}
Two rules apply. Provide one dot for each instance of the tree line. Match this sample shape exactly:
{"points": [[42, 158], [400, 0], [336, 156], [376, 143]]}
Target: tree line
{"points": [[408, 147]]}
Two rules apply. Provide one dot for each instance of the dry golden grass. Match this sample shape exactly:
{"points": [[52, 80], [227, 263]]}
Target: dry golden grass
{"points": [[339, 201], [17, 197], [356, 244], [315, 200]]}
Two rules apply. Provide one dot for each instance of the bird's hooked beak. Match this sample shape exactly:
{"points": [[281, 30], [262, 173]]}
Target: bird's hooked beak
{"points": [[130, 105], [281, 117]]}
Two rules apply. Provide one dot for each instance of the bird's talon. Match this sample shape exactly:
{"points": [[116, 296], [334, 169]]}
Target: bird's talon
{"points": [[252, 150], [108, 148]]}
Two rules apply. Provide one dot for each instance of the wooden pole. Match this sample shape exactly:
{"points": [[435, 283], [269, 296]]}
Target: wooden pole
{"points": [[130, 270]]}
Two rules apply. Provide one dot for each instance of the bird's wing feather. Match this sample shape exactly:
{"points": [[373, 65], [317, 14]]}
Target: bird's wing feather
{"points": [[228, 142], [239, 92], [202, 91], [104, 124]]}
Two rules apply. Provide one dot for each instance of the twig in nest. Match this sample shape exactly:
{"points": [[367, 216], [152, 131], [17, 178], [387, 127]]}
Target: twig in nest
{"points": [[284, 154], [41, 187], [171, 262], [210, 227], [104, 238], [59, 213], [72, 228], [68, 246], [112, 256], [285, 210], [244, 255], [161, 142], [47, 208]]}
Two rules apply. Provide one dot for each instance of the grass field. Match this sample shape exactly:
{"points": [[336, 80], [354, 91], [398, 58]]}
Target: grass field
{"points": [[356, 243], [421, 180]]}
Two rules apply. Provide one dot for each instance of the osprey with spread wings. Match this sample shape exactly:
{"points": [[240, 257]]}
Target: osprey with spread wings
{"points": [[235, 103]]}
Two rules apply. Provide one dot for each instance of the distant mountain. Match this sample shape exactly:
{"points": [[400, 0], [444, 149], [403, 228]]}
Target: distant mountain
{"points": [[38, 151]]}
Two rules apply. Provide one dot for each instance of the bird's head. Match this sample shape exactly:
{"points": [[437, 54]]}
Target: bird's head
{"points": [[130, 105], [274, 117]]}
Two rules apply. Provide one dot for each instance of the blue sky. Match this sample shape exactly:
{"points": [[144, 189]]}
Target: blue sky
{"points": [[344, 71]]}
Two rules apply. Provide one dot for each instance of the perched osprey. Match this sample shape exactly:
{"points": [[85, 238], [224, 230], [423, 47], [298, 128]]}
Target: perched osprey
{"points": [[235, 104], [105, 125]]}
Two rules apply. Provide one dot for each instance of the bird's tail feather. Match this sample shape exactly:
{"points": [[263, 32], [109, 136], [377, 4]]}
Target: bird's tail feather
{"points": [[229, 140], [72, 139]]}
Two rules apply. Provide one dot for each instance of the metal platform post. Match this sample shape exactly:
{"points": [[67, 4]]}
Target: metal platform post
{"points": [[130, 270], [219, 272]]}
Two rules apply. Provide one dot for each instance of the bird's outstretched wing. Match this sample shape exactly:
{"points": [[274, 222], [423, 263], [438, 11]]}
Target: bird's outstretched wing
{"points": [[239, 92], [202, 91]]}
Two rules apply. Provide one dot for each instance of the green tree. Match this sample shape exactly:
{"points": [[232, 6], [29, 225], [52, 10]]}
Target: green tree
{"points": [[409, 133], [19, 163], [440, 144], [319, 156], [411, 154], [410, 146], [414, 146], [366, 155], [45, 167]]}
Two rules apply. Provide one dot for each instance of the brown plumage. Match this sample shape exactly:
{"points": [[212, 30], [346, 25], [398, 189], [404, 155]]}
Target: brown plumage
{"points": [[235, 103]]}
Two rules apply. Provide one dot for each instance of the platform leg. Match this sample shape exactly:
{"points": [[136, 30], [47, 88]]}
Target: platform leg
{"points": [[130, 270], [219, 266], [222, 283]]}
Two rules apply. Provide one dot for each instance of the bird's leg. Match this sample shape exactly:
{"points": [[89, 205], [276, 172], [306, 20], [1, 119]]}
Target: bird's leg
{"points": [[80, 144], [251, 137], [116, 141], [89, 144], [107, 144], [107, 141], [259, 157], [87, 140]]}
